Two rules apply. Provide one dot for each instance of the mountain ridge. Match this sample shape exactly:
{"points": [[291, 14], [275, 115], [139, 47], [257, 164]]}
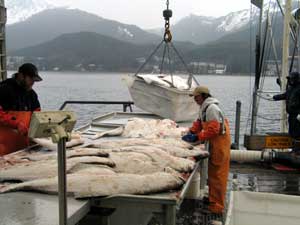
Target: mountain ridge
{"points": [[42, 28]]}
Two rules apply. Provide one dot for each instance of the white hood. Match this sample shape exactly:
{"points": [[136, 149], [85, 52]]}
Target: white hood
{"points": [[212, 110]]}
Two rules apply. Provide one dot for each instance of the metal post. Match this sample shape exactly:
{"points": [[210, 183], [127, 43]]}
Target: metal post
{"points": [[257, 73], [285, 61], [170, 218], [62, 190], [3, 18], [203, 172], [237, 124]]}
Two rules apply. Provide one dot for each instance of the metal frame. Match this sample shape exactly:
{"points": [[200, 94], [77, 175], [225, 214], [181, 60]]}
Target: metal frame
{"points": [[28, 208], [125, 104], [139, 209], [3, 18], [100, 120]]}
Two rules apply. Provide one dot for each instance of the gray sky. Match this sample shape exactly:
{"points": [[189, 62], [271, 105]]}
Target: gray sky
{"points": [[148, 13]]}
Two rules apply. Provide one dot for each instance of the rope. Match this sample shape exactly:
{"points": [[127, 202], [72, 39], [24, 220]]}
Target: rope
{"points": [[170, 65], [163, 59], [269, 119], [265, 98], [139, 70], [167, 39], [191, 77]]}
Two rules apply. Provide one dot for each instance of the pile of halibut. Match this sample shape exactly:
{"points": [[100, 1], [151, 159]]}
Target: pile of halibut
{"points": [[137, 163]]}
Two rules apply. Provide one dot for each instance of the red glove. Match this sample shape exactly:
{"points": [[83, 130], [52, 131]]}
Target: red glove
{"points": [[211, 130], [22, 129], [196, 127]]}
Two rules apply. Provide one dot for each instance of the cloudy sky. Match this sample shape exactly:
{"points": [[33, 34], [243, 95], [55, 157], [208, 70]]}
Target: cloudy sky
{"points": [[148, 13]]}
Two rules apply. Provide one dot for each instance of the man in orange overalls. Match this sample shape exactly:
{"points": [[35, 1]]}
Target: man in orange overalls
{"points": [[213, 127], [17, 102]]}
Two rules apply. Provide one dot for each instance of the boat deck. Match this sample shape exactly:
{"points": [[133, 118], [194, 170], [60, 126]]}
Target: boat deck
{"points": [[167, 208]]}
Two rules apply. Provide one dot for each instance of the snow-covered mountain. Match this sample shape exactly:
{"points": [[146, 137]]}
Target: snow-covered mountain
{"points": [[233, 21], [203, 29], [237, 20], [20, 10]]}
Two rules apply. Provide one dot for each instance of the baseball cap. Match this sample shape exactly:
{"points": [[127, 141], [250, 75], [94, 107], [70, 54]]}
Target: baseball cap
{"points": [[200, 90], [30, 70]]}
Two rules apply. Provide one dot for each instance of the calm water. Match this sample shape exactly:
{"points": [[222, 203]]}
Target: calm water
{"points": [[58, 87]]}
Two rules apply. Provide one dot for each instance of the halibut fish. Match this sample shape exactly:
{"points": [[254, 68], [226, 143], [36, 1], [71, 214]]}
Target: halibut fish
{"points": [[46, 168], [91, 169], [103, 185], [163, 158], [168, 142], [160, 157], [78, 152], [136, 163], [48, 144]]}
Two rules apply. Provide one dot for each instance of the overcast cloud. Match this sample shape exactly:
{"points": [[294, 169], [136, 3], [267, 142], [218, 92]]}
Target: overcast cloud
{"points": [[148, 13]]}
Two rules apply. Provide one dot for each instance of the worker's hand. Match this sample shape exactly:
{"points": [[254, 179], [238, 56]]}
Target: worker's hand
{"points": [[22, 129], [190, 137], [298, 117]]}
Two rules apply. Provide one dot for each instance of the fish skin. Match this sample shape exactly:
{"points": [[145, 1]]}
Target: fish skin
{"points": [[136, 163], [82, 186], [163, 158], [173, 150], [88, 169], [69, 154], [181, 152], [168, 142], [114, 132], [48, 144], [46, 168]]}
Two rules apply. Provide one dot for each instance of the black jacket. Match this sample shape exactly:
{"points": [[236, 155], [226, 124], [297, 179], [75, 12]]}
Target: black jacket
{"points": [[14, 97], [292, 97]]}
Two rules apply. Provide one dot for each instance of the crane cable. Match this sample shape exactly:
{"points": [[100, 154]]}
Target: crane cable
{"points": [[167, 40]]}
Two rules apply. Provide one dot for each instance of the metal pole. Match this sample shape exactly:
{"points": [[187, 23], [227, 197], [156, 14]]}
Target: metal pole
{"points": [[62, 190], [254, 113], [257, 73], [285, 61], [3, 18], [203, 172], [237, 124]]}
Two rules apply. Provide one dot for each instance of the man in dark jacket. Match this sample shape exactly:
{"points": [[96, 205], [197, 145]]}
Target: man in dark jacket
{"points": [[292, 97], [17, 102]]}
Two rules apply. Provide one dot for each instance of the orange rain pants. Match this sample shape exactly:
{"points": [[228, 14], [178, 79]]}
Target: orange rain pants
{"points": [[10, 139], [219, 160]]}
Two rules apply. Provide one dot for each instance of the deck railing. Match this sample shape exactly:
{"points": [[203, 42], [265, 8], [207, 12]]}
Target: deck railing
{"points": [[126, 104]]}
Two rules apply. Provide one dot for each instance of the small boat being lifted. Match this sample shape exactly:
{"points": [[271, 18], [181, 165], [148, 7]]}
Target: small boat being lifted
{"points": [[166, 95], [153, 94]]}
